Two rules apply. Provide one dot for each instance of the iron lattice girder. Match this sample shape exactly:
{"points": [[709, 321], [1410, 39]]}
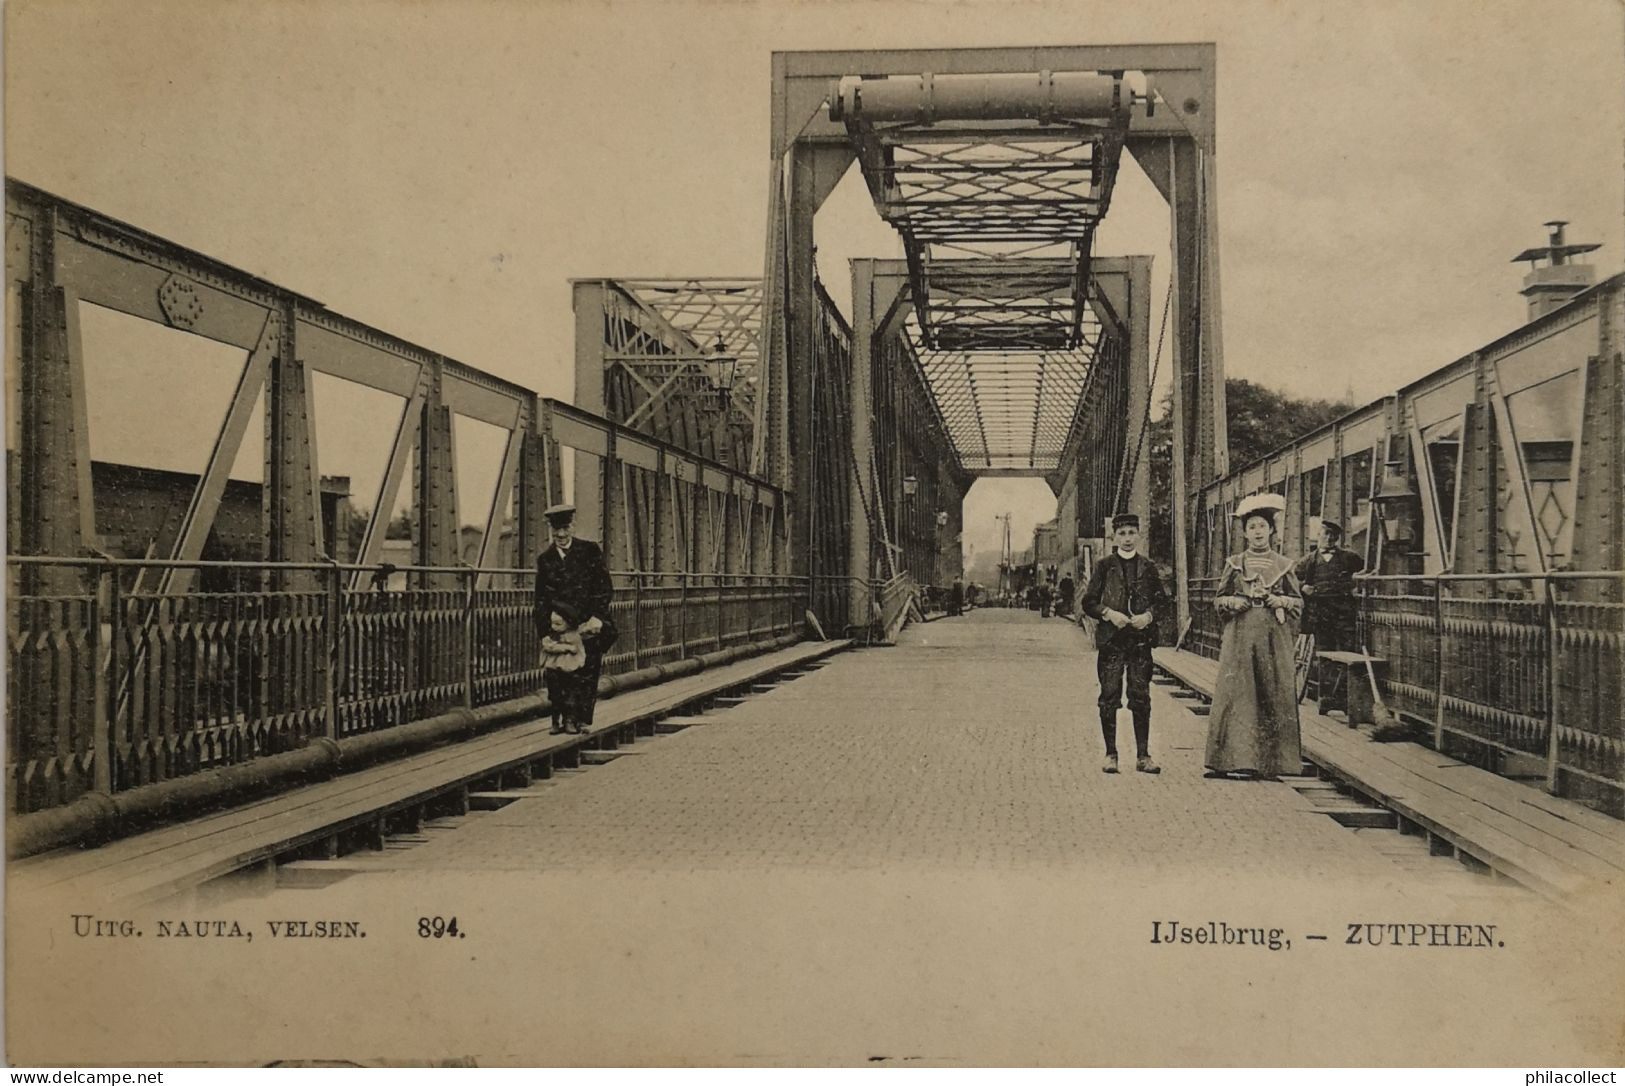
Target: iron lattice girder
{"points": [[1006, 401], [1051, 188], [677, 359], [1027, 181], [1001, 304]]}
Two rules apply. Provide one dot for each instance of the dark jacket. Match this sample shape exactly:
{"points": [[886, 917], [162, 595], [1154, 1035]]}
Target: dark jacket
{"points": [[1132, 587], [1331, 604], [580, 579]]}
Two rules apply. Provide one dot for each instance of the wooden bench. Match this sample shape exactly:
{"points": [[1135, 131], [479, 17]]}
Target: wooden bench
{"points": [[1344, 684], [173, 859]]}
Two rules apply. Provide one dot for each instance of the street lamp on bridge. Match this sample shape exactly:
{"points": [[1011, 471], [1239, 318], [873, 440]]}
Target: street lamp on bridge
{"points": [[1393, 503], [723, 369]]}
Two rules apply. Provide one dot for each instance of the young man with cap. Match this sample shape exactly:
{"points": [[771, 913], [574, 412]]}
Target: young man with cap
{"points": [[1124, 594], [573, 572], [1327, 577]]}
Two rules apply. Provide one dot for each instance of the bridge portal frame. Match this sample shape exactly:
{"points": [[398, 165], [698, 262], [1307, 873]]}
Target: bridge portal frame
{"points": [[1175, 146]]}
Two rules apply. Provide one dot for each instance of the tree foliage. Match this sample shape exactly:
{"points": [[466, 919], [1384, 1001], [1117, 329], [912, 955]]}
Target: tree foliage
{"points": [[1259, 420]]}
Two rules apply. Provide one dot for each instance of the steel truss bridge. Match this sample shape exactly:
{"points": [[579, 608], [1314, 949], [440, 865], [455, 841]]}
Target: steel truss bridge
{"points": [[756, 463]]}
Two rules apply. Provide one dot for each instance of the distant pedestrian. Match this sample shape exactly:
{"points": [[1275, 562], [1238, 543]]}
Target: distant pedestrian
{"points": [[1064, 596], [1253, 725], [1125, 594], [956, 597], [1326, 575], [572, 572]]}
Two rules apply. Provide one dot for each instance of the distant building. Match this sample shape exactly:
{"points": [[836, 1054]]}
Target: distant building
{"points": [[1046, 553]]}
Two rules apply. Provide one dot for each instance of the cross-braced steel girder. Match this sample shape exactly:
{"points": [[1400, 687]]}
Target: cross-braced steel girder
{"points": [[1005, 400], [1038, 414], [1005, 168], [1015, 304], [676, 358]]}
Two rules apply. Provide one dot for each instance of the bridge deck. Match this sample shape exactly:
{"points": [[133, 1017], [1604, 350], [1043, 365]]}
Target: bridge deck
{"points": [[1554, 846], [971, 745]]}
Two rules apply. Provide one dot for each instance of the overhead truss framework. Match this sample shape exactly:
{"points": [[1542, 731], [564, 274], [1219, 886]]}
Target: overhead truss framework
{"points": [[1006, 379], [996, 168], [1014, 409]]}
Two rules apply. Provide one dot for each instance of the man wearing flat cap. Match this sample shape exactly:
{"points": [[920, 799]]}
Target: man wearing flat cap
{"points": [[1327, 576], [1124, 595], [573, 572]]}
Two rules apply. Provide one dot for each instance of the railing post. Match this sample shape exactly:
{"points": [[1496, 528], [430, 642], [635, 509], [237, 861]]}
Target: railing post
{"points": [[721, 587], [637, 621], [101, 737], [752, 601], [468, 577], [1438, 658], [1551, 685], [332, 640], [682, 615]]}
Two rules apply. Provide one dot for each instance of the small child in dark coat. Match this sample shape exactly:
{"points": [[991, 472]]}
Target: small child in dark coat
{"points": [[563, 658]]}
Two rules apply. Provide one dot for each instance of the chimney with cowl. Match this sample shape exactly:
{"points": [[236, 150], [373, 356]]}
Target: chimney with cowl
{"points": [[1550, 285]]}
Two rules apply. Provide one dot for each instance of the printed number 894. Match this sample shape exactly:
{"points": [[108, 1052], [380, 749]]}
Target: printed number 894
{"points": [[438, 927]]}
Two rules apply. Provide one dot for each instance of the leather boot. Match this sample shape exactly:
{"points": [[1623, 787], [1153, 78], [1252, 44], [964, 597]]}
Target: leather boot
{"points": [[1108, 730]]}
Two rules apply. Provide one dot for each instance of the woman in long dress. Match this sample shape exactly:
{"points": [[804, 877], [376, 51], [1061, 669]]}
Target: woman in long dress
{"points": [[1253, 726]]}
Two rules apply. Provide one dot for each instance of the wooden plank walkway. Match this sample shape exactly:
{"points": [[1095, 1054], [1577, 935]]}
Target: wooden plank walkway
{"points": [[162, 862], [1553, 846]]}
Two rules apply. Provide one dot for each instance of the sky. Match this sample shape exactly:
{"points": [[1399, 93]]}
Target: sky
{"points": [[441, 170]]}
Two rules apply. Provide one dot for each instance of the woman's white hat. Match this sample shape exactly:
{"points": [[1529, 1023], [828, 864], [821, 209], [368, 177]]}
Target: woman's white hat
{"points": [[1261, 503]]}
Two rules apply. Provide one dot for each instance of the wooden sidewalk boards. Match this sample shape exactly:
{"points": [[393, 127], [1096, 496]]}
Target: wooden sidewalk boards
{"points": [[1558, 848], [166, 861]]}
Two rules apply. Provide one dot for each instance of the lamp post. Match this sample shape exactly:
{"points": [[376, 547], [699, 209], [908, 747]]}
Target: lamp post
{"points": [[723, 371], [1394, 504], [938, 572]]}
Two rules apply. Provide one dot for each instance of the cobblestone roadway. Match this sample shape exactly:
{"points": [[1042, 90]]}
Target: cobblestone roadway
{"points": [[972, 744]]}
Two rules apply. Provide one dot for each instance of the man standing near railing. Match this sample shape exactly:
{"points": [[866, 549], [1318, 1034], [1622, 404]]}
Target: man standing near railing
{"points": [[1327, 576], [1125, 594], [573, 571]]}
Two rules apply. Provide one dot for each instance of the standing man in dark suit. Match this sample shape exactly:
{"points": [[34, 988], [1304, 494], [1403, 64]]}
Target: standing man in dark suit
{"points": [[1124, 594], [1327, 577], [573, 572]]}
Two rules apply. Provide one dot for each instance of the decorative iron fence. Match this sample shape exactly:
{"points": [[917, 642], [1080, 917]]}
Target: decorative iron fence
{"points": [[1522, 674], [1519, 673], [1205, 630], [122, 684]]}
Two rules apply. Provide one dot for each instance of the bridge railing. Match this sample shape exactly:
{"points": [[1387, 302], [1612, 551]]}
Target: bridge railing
{"points": [[1521, 673], [1206, 628], [120, 684]]}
